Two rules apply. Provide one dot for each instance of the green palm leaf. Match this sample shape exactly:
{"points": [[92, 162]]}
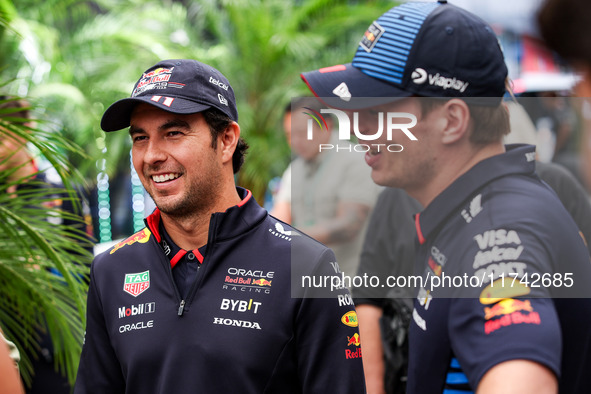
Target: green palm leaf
{"points": [[43, 266]]}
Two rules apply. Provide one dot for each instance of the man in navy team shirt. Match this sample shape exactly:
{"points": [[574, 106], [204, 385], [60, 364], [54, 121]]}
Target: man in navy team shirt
{"points": [[207, 297], [503, 305]]}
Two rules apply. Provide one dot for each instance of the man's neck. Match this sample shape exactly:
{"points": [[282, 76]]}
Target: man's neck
{"points": [[456, 165], [191, 232]]}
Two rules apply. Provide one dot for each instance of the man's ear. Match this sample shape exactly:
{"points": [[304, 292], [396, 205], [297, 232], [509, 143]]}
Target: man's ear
{"points": [[457, 116], [228, 140]]}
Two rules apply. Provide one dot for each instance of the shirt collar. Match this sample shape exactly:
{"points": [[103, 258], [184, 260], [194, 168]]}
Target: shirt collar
{"points": [[518, 159], [234, 221]]}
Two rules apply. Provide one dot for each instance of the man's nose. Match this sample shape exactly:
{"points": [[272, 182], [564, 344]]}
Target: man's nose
{"points": [[155, 152]]}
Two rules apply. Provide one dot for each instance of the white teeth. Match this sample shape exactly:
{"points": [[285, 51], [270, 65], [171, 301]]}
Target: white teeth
{"points": [[164, 178]]}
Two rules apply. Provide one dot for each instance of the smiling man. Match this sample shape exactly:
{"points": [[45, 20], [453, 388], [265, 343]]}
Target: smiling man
{"points": [[204, 298], [490, 231]]}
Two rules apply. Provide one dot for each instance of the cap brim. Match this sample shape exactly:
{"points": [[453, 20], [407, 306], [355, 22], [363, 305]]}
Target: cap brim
{"points": [[118, 115], [347, 87]]}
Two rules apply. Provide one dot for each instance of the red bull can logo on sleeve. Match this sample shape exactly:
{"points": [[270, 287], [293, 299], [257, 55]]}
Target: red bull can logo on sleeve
{"points": [[508, 312], [507, 306]]}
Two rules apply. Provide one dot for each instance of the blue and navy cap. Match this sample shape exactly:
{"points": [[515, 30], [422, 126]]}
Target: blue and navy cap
{"points": [[180, 86], [431, 49]]}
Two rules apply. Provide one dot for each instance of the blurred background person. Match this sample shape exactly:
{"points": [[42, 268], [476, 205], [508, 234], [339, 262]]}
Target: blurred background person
{"points": [[332, 193], [10, 382], [282, 199], [564, 26], [389, 250]]}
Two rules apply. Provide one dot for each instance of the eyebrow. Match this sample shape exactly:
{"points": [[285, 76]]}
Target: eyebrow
{"points": [[170, 124]]}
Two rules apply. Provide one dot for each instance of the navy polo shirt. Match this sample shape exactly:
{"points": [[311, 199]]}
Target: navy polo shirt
{"points": [[184, 263], [498, 221]]}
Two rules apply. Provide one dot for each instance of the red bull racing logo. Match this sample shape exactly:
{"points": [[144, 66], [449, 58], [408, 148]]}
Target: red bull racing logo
{"points": [[354, 340], [136, 284], [506, 307], [508, 312], [247, 280], [353, 354], [141, 237]]}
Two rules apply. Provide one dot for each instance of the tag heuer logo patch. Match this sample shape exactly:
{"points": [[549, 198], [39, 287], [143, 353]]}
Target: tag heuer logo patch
{"points": [[136, 284], [371, 36]]}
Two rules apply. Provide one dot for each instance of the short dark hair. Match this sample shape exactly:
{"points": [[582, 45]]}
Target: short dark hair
{"points": [[218, 122], [564, 26], [490, 124]]}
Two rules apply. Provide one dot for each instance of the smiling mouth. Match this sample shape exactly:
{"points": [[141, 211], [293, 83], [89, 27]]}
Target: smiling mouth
{"points": [[164, 177]]}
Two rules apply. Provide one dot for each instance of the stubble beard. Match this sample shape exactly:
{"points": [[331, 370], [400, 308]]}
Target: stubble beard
{"points": [[411, 177], [197, 199]]}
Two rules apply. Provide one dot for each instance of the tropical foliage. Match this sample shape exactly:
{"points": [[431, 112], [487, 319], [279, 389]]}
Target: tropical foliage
{"points": [[76, 57], [43, 265]]}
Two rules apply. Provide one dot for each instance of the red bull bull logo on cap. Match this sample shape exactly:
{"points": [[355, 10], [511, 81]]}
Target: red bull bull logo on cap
{"points": [[135, 284]]}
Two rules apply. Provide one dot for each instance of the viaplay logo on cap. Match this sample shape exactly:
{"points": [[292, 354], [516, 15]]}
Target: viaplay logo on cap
{"points": [[420, 76]]}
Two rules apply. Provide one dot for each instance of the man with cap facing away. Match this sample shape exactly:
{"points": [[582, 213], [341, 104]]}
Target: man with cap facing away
{"points": [[204, 298], [487, 215]]}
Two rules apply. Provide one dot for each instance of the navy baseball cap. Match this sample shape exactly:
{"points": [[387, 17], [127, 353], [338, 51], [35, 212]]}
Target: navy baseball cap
{"points": [[431, 49], [180, 86]]}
